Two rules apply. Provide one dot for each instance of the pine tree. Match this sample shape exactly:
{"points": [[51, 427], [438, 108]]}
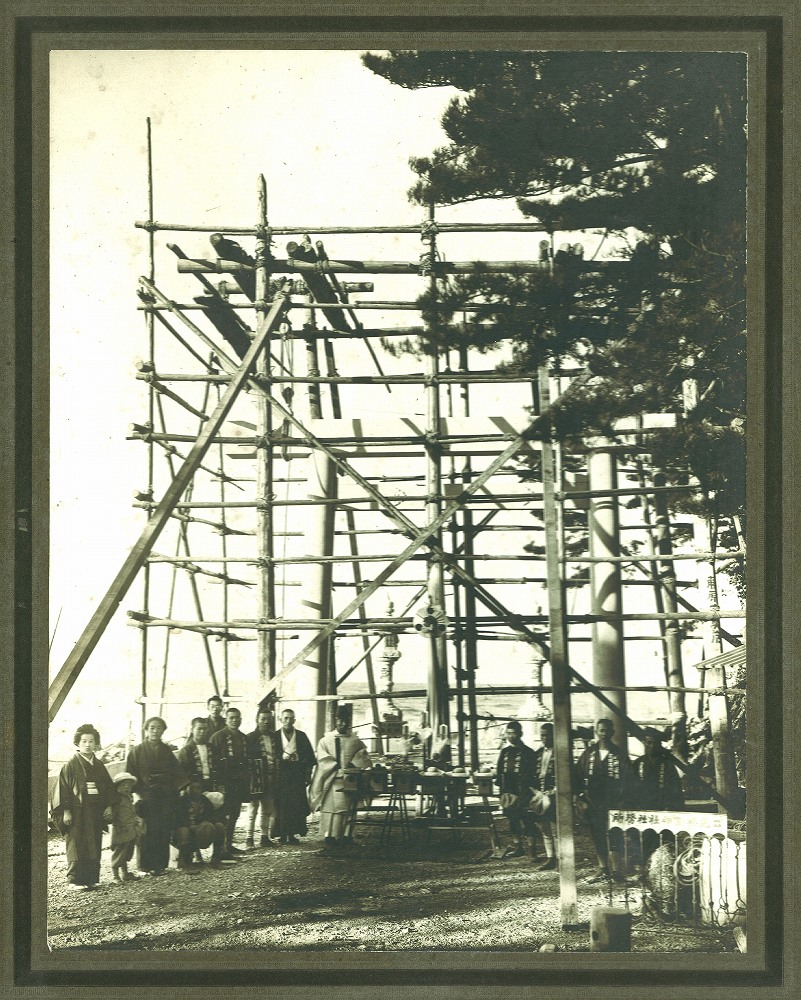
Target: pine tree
{"points": [[650, 144]]}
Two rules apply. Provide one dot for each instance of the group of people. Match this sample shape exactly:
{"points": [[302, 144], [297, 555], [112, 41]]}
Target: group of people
{"points": [[193, 798], [602, 779]]}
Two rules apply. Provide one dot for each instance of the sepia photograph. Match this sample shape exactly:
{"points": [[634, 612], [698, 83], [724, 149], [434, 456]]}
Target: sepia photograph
{"points": [[405, 428]]}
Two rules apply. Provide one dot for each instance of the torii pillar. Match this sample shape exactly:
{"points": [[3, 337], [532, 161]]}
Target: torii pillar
{"points": [[609, 669]]}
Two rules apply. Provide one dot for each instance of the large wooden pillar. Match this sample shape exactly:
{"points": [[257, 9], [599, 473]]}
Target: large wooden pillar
{"points": [[313, 673], [604, 532]]}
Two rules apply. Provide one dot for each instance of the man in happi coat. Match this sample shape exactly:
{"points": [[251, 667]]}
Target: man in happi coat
{"points": [[294, 761], [159, 779], [653, 785], [601, 772], [515, 775], [231, 746], [80, 806], [545, 785], [199, 758], [336, 751], [261, 752]]}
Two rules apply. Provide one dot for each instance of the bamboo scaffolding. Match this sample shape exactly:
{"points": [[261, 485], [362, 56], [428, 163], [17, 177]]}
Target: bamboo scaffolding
{"points": [[69, 672], [183, 541]]}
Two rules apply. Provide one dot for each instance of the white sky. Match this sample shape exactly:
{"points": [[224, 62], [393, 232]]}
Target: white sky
{"points": [[333, 141]]}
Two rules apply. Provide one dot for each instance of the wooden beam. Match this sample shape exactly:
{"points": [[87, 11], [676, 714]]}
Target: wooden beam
{"points": [[69, 672], [441, 268]]}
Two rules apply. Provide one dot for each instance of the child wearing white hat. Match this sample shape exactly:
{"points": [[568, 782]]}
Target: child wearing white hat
{"points": [[126, 827]]}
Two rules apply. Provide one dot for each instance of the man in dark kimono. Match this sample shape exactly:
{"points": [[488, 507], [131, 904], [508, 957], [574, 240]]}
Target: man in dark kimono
{"points": [[231, 747], [80, 806], [294, 761], [515, 775], [159, 779], [199, 758], [601, 773]]}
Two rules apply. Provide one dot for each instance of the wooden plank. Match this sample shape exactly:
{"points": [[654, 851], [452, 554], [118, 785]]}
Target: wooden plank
{"points": [[69, 672]]}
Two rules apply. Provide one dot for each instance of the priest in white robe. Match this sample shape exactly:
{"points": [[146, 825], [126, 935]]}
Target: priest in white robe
{"points": [[338, 750]]}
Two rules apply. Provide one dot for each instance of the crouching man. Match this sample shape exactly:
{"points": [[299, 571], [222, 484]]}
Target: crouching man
{"points": [[197, 828]]}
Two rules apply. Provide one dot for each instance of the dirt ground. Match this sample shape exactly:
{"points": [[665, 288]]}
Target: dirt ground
{"points": [[436, 892]]}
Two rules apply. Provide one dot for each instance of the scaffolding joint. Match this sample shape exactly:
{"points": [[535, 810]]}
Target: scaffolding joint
{"points": [[428, 230]]}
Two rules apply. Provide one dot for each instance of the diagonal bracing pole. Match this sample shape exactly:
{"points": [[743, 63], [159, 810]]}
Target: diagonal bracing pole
{"points": [[68, 674], [421, 538]]}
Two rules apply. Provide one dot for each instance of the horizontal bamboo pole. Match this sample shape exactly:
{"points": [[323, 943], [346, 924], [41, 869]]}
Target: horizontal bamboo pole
{"points": [[442, 227], [246, 560], [400, 624], [357, 305], [278, 266], [625, 491], [695, 556], [528, 579], [443, 378], [337, 502]]}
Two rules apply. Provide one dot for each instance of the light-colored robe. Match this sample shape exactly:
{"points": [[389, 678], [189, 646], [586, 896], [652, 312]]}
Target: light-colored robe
{"points": [[327, 792]]}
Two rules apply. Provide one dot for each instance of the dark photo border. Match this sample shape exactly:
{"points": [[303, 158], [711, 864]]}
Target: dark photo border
{"points": [[770, 34]]}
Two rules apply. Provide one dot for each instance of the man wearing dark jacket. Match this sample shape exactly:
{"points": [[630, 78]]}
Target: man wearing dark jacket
{"points": [[601, 772], [231, 746], [515, 775]]}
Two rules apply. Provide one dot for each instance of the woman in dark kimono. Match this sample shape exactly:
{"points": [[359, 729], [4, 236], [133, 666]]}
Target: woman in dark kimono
{"points": [[81, 808], [159, 778]]}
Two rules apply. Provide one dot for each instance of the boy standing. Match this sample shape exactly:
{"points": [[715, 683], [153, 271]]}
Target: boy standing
{"points": [[126, 827]]}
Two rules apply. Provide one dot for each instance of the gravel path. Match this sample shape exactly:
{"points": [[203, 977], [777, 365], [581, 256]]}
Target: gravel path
{"points": [[435, 896]]}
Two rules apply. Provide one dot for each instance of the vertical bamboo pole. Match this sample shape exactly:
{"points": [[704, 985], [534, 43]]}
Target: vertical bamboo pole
{"points": [[560, 680], [224, 549], [458, 643], [438, 662], [312, 364], [366, 647], [151, 355], [669, 587], [266, 644], [313, 679], [470, 645]]}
